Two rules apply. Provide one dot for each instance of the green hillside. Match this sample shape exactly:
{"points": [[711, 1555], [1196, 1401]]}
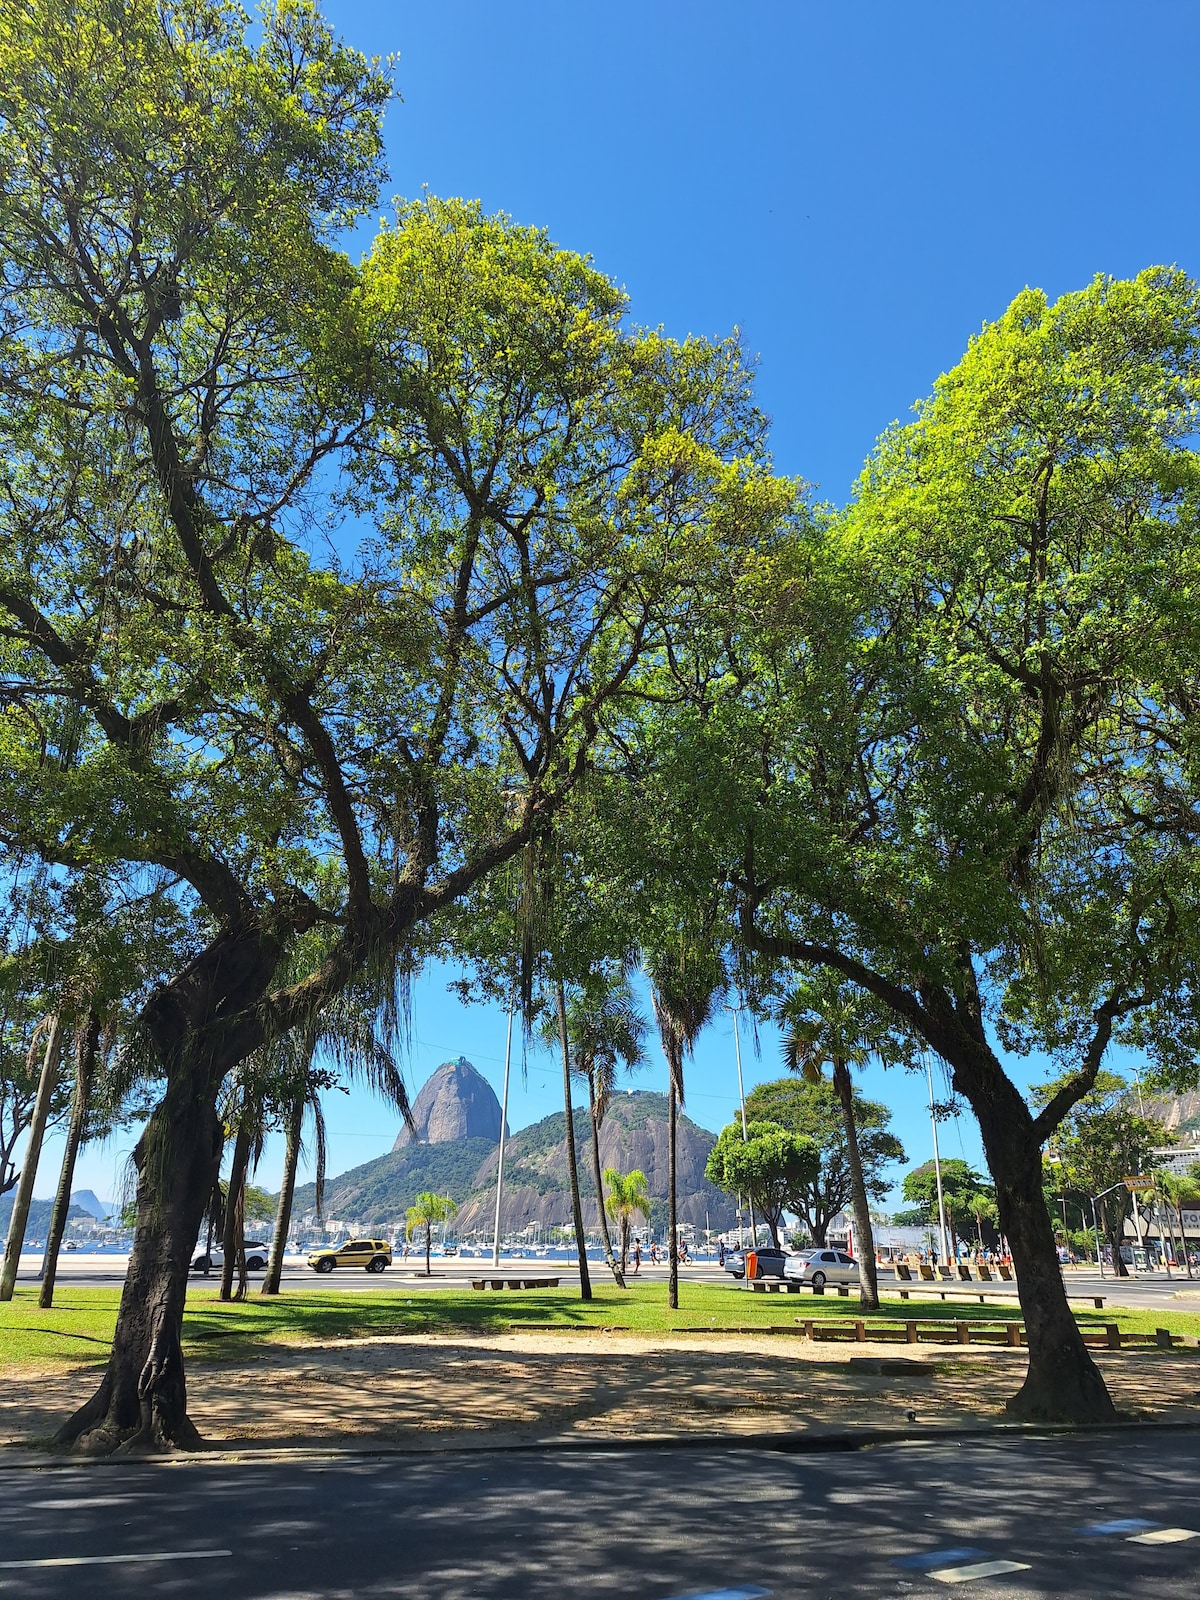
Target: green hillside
{"points": [[380, 1191]]}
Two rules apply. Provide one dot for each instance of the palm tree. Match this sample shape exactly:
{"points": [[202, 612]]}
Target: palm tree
{"points": [[628, 1197], [347, 1035], [686, 980], [425, 1210], [605, 1031], [826, 1019]]}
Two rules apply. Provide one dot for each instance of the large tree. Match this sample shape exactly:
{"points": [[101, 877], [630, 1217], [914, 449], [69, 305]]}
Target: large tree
{"points": [[243, 705], [926, 747]]}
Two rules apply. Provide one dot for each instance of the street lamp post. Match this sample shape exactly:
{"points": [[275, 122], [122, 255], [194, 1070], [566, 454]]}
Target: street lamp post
{"points": [[937, 1165], [503, 1129], [737, 1050]]}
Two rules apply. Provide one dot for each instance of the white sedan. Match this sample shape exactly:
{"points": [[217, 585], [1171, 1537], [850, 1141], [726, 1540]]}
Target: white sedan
{"points": [[819, 1267]]}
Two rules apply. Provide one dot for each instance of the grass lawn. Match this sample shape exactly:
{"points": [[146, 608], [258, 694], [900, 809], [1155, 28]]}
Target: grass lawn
{"points": [[79, 1327]]}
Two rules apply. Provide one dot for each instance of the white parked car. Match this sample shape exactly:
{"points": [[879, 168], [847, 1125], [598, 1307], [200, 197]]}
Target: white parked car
{"points": [[257, 1256], [819, 1267]]}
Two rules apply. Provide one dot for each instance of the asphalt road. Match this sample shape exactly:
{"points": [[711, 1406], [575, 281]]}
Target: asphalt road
{"points": [[1102, 1516], [1146, 1291]]}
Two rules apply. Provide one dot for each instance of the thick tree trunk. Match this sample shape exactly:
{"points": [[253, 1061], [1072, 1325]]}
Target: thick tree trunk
{"points": [[1063, 1383], [142, 1401], [428, 1249], [235, 1211], [85, 1070], [868, 1284], [618, 1272], [202, 1025], [287, 1191], [33, 1150], [673, 1240], [585, 1282]]}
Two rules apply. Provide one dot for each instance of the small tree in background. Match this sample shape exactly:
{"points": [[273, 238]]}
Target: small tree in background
{"points": [[425, 1210], [628, 1196], [767, 1162], [1103, 1139], [814, 1110], [961, 1185]]}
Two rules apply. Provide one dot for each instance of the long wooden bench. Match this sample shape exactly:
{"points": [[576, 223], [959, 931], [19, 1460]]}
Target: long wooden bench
{"points": [[984, 1295], [514, 1283], [970, 1330]]}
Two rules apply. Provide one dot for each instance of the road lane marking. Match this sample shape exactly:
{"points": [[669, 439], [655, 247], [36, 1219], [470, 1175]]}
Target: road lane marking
{"points": [[980, 1569], [112, 1561], [937, 1558], [80, 1502], [1163, 1536], [726, 1594], [1118, 1525]]}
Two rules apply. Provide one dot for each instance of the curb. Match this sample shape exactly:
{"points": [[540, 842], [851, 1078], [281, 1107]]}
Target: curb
{"points": [[832, 1443]]}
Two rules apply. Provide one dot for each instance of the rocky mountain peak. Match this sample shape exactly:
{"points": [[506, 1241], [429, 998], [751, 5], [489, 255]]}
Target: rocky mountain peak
{"points": [[455, 1102]]}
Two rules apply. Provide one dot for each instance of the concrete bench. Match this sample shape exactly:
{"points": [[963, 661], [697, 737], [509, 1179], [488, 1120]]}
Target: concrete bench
{"points": [[514, 1283], [775, 1286]]}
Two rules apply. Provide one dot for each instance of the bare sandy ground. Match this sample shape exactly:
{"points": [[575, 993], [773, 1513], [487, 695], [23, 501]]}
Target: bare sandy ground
{"points": [[435, 1392]]}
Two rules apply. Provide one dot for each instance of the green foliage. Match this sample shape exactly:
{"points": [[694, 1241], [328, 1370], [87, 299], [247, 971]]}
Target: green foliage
{"points": [[381, 1191], [429, 1208], [1102, 1141], [769, 1163], [812, 1110]]}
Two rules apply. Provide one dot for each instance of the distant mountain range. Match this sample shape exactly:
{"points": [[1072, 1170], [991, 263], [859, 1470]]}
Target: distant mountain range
{"points": [[536, 1185]]}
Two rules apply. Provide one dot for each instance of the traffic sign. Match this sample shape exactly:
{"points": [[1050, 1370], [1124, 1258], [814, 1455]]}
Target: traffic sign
{"points": [[1139, 1183]]}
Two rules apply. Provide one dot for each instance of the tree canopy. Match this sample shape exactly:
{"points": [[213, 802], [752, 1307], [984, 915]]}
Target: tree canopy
{"points": [[812, 1111]]}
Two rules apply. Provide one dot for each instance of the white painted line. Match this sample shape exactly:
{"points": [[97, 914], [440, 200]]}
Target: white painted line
{"points": [[79, 1501], [112, 1561], [979, 1569], [1163, 1536]]}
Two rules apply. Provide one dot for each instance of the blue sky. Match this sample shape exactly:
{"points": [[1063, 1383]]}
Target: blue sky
{"points": [[856, 188]]}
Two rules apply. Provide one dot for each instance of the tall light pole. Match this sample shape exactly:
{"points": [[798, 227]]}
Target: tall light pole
{"points": [[503, 1127], [737, 1050], [937, 1164]]}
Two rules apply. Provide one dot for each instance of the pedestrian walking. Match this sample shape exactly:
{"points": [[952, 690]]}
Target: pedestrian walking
{"points": [[637, 1257]]}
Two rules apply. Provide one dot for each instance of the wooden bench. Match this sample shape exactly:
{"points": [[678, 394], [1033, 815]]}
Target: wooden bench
{"points": [[970, 1330], [514, 1283]]}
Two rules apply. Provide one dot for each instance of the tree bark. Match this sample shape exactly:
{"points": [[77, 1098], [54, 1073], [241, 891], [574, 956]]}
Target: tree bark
{"points": [[198, 1024], [85, 1070], [868, 1284], [673, 1241], [33, 1149], [585, 1282], [287, 1191], [231, 1238], [1063, 1383], [618, 1272]]}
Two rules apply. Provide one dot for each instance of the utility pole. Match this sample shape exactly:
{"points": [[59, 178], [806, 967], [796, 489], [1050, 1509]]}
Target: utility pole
{"points": [[937, 1165], [503, 1130], [737, 1049], [33, 1149]]}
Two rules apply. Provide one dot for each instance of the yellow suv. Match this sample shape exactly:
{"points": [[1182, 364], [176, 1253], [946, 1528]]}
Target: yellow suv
{"points": [[374, 1254]]}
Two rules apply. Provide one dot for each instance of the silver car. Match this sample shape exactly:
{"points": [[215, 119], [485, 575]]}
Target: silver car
{"points": [[819, 1267]]}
